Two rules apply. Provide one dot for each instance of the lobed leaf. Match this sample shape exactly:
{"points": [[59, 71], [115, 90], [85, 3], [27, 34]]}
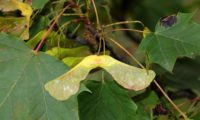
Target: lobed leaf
{"points": [[173, 38], [22, 77], [107, 101], [127, 76]]}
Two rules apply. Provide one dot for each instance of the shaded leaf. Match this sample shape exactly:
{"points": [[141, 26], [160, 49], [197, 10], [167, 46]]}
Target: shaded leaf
{"points": [[166, 44], [39, 4], [39, 25], [185, 70], [146, 102], [150, 11], [129, 77], [106, 102], [22, 78]]}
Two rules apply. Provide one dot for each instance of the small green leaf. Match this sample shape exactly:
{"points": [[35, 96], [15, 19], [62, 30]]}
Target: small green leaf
{"points": [[168, 43], [129, 77], [39, 4], [106, 102]]}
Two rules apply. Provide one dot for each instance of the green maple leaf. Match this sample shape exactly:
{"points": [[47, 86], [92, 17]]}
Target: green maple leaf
{"points": [[168, 43], [106, 102], [22, 78]]}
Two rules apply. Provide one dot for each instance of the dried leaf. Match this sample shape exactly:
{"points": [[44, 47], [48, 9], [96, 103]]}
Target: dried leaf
{"points": [[130, 77]]}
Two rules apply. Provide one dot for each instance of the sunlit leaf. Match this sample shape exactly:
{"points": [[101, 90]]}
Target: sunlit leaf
{"points": [[15, 26], [26, 11], [24, 8], [7, 5], [168, 43], [130, 77], [22, 78], [59, 52], [72, 61], [11, 5]]}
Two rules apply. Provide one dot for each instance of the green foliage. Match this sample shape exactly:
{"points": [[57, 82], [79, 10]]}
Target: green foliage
{"points": [[39, 4], [41, 40], [166, 44], [146, 102], [22, 77], [106, 102], [185, 69]]}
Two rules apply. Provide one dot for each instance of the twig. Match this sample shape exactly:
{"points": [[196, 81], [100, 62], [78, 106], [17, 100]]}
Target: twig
{"points": [[169, 99], [125, 29], [123, 22], [193, 104], [120, 46], [160, 88], [49, 30], [96, 13]]}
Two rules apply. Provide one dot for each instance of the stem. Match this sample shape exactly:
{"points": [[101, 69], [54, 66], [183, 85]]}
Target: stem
{"points": [[99, 49], [72, 14], [125, 29], [49, 30], [127, 52], [76, 29], [104, 46], [78, 1], [169, 99], [103, 77], [96, 13], [160, 88], [192, 105], [123, 22]]}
